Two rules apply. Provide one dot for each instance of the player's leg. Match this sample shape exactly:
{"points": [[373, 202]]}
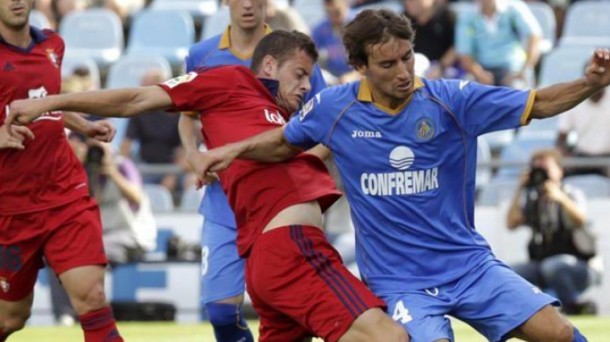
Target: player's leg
{"points": [[421, 313], [21, 240], [222, 283], [499, 304], [75, 251], [301, 288]]}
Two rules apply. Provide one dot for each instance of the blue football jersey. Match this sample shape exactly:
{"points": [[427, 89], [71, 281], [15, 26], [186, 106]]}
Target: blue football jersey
{"points": [[409, 173], [217, 51]]}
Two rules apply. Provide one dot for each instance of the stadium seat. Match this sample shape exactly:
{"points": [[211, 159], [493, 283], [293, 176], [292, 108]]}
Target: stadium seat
{"points": [[587, 23], [564, 63], [546, 18], [462, 8], [216, 23], [39, 20], [163, 33], [499, 139], [199, 9], [95, 33], [497, 191], [70, 63], [191, 198], [594, 186], [483, 175], [160, 197], [312, 11], [129, 70], [518, 153]]}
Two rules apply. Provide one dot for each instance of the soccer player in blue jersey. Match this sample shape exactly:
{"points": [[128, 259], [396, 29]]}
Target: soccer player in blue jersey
{"points": [[406, 151], [222, 280]]}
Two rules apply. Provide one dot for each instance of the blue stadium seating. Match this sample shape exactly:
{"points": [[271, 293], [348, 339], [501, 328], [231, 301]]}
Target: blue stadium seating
{"points": [[38, 19], [564, 63], [216, 23], [70, 63], [199, 9], [312, 11], [191, 198], [129, 70], [588, 23], [95, 33], [160, 197], [163, 33], [594, 186], [546, 18]]}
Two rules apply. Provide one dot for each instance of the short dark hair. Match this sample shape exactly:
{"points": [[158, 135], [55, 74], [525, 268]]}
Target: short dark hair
{"points": [[282, 45], [547, 153], [372, 27]]}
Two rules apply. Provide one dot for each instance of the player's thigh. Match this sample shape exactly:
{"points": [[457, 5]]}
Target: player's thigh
{"points": [[222, 270], [497, 300], [21, 243], [374, 325], [76, 237], [422, 314], [295, 271]]}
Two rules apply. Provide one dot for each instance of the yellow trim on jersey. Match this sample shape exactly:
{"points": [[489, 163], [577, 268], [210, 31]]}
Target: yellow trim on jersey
{"points": [[525, 116], [225, 42], [366, 95]]}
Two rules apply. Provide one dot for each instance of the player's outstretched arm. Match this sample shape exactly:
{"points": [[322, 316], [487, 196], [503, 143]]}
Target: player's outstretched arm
{"points": [[269, 147], [559, 98], [110, 103]]}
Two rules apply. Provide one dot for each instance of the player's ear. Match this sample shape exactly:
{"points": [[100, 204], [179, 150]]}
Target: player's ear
{"points": [[269, 66], [361, 69]]}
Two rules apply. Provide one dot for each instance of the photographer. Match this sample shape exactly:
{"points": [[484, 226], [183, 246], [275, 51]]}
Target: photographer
{"points": [[116, 184], [556, 214]]}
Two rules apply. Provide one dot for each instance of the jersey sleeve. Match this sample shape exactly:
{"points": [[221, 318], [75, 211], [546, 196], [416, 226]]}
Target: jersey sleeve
{"points": [[482, 109], [311, 125], [199, 91]]}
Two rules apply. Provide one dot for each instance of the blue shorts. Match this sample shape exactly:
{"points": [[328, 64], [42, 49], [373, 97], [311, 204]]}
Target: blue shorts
{"points": [[222, 270], [492, 299]]}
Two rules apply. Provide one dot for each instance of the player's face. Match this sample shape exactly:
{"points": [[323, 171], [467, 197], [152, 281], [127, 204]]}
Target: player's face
{"points": [[390, 71], [293, 76], [247, 14], [14, 14]]}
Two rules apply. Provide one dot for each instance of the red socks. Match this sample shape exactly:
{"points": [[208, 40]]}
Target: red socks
{"points": [[99, 326]]}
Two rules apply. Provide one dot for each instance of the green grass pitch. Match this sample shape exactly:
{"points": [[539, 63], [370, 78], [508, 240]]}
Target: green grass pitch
{"points": [[597, 329]]}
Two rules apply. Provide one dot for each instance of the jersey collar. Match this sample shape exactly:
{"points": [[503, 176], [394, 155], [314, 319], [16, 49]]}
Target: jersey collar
{"points": [[38, 36], [225, 42], [273, 86], [365, 95]]}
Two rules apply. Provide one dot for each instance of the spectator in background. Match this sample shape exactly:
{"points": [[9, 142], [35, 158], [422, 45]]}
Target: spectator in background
{"points": [[434, 26], [590, 121], [489, 43], [555, 213], [157, 133], [286, 19], [327, 36]]}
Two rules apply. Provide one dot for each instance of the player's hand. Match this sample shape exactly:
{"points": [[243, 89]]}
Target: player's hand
{"points": [[524, 178], [17, 139], [103, 131], [553, 191], [597, 72], [194, 162], [215, 160], [23, 112]]}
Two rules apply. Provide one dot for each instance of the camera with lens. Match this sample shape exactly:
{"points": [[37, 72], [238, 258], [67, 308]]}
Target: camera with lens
{"points": [[537, 177]]}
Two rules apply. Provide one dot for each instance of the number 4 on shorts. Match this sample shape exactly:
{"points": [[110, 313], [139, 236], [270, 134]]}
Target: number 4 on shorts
{"points": [[401, 313]]}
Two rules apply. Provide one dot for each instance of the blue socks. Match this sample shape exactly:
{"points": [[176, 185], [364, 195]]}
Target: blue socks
{"points": [[229, 324], [578, 337]]}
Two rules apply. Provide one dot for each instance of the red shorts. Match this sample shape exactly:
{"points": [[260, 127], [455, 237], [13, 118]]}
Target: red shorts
{"points": [[68, 236], [300, 287]]}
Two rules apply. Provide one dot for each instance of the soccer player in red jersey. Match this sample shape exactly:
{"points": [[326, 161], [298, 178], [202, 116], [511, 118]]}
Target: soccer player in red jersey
{"points": [[296, 280], [45, 208]]}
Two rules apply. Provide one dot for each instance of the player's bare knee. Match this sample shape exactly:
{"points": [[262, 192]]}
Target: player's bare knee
{"points": [[15, 321], [564, 332], [90, 300]]}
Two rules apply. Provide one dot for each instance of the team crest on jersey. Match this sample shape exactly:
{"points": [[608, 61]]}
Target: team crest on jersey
{"points": [[424, 129], [53, 58], [180, 79]]}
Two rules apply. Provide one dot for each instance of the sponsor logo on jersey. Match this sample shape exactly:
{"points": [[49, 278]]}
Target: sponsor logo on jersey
{"points": [[366, 134], [39, 93], [424, 129], [180, 79], [463, 84], [307, 107], [53, 57], [274, 118], [403, 182]]}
